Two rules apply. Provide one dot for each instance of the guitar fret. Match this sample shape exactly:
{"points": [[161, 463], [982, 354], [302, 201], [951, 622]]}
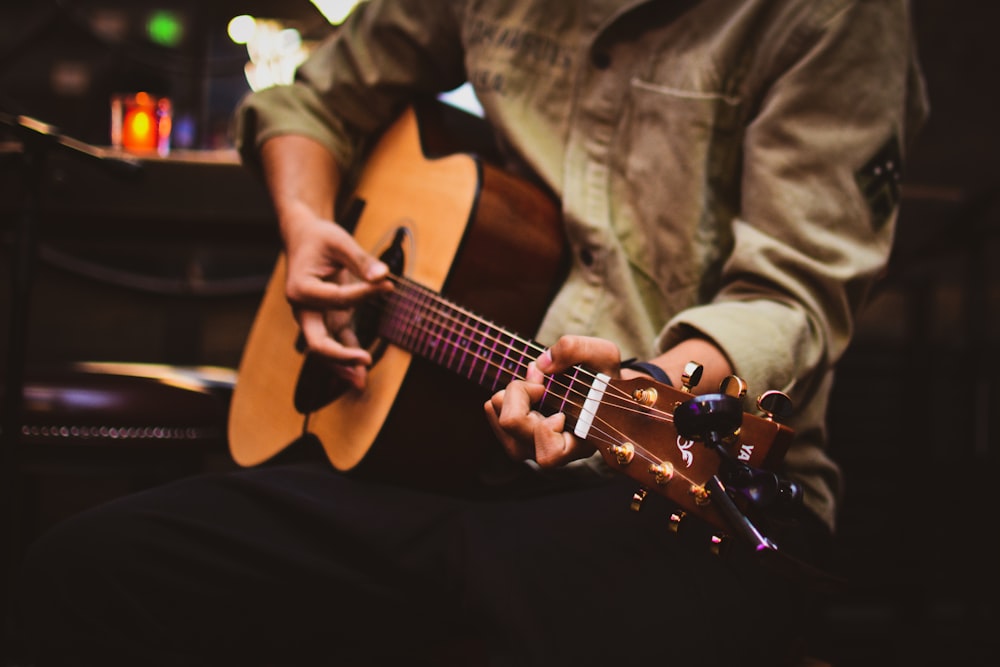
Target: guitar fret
{"points": [[421, 322], [447, 334], [468, 340], [404, 333], [501, 360], [455, 336], [569, 388], [454, 329], [429, 321], [413, 324], [435, 334], [469, 345], [516, 367], [502, 364], [526, 357], [410, 329], [548, 386], [486, 356], [391, 326], [425, 319]]}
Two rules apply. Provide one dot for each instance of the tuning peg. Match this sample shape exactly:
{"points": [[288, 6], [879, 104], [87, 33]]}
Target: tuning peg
{"points": [[701, 495], [734, 386], [718, 544], [637, 498], [623, 453], [662, 472], [691, 375], [775, 405], [645, 396], [675, 521]]}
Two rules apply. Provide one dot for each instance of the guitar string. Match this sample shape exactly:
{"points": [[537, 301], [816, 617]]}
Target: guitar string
{"points": [[449, 323], [448, 306], [601, 435], [447, 318]]}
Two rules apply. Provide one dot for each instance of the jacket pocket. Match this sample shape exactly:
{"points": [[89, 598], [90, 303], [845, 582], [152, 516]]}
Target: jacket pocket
{"points": [[678, 186]]}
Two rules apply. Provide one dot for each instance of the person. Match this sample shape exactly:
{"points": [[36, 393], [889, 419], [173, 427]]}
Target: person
{"points": [[727, 173]]}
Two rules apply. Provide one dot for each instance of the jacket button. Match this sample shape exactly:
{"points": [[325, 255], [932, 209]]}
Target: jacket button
{"points": [[601, 60]]}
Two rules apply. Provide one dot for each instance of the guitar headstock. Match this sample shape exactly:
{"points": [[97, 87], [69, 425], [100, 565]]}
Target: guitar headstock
{"points": [[638, 434]]}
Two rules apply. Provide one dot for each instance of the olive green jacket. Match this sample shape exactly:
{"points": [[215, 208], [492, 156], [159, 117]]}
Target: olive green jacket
{"points": [[726, 167]]}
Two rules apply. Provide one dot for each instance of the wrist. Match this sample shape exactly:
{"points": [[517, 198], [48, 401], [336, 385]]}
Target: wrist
{"points": [[647, 368]]}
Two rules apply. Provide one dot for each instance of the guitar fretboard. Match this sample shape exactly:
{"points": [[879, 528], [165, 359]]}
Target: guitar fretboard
{"points": [[428, 325]]}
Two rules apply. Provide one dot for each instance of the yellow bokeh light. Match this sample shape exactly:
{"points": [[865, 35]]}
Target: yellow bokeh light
{"points": [[335, 11], [241, 28]]}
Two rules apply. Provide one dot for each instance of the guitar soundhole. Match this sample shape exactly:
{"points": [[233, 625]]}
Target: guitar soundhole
{"points": [[317, 386], [368, 315]]}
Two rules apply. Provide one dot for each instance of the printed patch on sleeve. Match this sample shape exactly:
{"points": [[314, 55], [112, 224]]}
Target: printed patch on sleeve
{"points": [[879, 181]]}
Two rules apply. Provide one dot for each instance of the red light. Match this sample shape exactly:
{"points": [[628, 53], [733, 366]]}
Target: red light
{"points": [[144, 123], [139, 127]]}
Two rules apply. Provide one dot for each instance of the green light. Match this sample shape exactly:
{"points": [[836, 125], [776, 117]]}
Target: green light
{"points": [[165, 28]]}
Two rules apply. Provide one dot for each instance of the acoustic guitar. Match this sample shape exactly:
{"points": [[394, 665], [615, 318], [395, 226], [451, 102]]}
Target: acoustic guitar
{"points": [[470, 246]]}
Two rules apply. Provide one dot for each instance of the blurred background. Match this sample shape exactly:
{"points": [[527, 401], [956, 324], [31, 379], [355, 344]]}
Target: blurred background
{"points": [[63, 59], [168, 268]]}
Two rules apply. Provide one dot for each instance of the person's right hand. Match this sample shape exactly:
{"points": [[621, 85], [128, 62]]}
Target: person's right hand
{"points": [[328, 275]]}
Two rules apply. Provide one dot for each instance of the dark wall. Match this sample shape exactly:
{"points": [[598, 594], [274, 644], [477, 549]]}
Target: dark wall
{"points": [[915, 420]]}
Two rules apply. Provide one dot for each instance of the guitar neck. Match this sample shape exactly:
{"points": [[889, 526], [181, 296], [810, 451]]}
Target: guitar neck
{"points": [[433, 328]]}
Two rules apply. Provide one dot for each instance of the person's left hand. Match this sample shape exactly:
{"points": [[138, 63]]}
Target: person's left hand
{"points": [[527, 434]]}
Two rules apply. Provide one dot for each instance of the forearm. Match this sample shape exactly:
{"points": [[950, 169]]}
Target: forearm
{"points": [[303, 180], [716, 367]]}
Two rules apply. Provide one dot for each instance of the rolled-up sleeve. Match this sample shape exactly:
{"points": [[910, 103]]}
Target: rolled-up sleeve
{"points": [[358, 80]]}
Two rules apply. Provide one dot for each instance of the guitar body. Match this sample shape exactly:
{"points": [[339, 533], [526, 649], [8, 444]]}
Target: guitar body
{"points": [[476, 234]]}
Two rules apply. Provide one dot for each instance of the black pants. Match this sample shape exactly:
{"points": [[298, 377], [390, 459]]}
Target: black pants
{"points": [[278, 565]]}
